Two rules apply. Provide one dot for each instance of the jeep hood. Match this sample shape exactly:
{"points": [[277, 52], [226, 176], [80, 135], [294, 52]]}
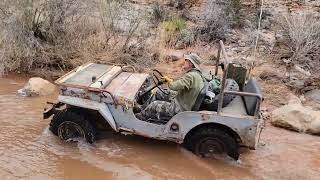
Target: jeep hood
{"points": [[121, 84]]}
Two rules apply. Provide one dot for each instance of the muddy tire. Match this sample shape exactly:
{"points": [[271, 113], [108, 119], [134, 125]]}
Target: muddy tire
{"points": [[207, 142], [70, 124], [231, 85]]}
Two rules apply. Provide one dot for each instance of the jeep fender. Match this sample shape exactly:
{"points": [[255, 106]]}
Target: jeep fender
{"points": [[102, 108], [244, 129]]}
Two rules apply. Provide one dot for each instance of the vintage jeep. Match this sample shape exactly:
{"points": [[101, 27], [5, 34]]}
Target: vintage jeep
{"points": [[95, 97]]}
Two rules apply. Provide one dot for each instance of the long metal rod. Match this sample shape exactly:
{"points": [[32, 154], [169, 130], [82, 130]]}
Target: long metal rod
{"points": [[217, 61], [225, 74], [258, 96], [256, 42], [243, 94], [224, 54]]}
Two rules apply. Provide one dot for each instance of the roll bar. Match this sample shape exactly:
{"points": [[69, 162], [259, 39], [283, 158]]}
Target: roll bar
{"points": [[226, 62]]}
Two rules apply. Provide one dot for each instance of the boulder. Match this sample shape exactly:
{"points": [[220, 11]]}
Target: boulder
{"points": [[270, 74], [174, 55], [37, 87], [314, 95], [294, 116], [296, 83]]}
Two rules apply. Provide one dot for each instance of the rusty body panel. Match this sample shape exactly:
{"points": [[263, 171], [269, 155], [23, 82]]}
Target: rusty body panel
{"points": [[117, 82], [112, 84], [247, 127], [106, 78], [130, 87], [84, 77]]}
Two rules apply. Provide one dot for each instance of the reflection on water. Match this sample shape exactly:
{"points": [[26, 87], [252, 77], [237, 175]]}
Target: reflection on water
{"points": [[28, 150]]}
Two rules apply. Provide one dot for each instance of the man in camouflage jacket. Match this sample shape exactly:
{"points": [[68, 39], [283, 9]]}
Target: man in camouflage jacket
{"points": [[185, 91]]}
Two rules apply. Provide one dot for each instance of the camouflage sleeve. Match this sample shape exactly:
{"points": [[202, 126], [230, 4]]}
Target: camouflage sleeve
{"points": [[184, 82]]}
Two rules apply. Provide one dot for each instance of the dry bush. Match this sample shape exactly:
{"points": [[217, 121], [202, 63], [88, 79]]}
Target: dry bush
{"points": [[125, 29], [217, 18], [301, 39], [43, 34], [186, 37], [159, 13], [61, 34], [181, 4], [172, 29]]}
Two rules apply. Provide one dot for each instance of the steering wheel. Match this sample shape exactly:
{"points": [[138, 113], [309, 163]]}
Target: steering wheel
{"points": [[156, 76]]}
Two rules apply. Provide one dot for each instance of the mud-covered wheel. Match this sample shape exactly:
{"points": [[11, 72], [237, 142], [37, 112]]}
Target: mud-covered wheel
{"points": [[208, 142], [70, 124]]}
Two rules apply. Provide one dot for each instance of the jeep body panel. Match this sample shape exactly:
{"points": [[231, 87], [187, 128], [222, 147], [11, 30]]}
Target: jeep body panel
{"points": [[101, 82], [113, 91], [246, 127], [122, 118], [102, 108]]}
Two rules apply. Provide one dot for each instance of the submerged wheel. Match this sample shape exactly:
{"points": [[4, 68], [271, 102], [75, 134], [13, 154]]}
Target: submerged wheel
{"points": [[70, 124], [207, 142]]}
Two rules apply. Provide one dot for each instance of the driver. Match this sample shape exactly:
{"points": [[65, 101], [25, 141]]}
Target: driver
{"points": [[186, 88]]}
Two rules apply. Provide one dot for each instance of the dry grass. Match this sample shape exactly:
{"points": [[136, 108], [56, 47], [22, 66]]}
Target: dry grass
{"points": [[58, 35], [218, 17], [275, 94], [301, 39]]}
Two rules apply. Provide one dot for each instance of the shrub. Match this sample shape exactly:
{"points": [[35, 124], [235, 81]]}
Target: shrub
{"points": [[172, 29], [182, 4], [218, 17], [43, 34], [59, 34], [159, 13], [186, 38], [301, 39], [174, 25]]}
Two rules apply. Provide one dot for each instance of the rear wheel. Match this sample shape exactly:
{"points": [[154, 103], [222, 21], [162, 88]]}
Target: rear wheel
{"points": [[70, 124], [208, 142]]}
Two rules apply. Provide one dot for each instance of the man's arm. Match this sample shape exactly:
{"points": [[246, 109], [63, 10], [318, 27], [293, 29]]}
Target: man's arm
{"points": [[183, 83]]}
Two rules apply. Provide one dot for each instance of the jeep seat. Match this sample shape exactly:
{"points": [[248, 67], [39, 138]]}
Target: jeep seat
{"points": [[201, 96], [250, 101]]}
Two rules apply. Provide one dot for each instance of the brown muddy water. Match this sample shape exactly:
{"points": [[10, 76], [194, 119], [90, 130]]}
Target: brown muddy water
{"points": [[29, 151]]}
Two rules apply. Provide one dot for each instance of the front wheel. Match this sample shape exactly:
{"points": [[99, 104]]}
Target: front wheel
{"points": [[70, 124], [207, 142]]}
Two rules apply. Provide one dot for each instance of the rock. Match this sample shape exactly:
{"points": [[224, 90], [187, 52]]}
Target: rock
{"points": [[174, 55], [294, 99], [294, 116], [270, 74], [37, 86], [302, 98], [180, 45], [314, 95], [297, 84], [302, 71]]}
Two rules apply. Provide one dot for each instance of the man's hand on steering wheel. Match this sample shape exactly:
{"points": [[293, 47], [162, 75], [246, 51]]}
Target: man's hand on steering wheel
{"points": [[166, 79], [159, 79]]}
